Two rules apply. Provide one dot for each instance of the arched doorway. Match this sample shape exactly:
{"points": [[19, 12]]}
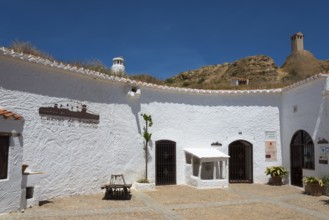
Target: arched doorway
{"points": [[165, 159], [301, 156], [240, 162]]}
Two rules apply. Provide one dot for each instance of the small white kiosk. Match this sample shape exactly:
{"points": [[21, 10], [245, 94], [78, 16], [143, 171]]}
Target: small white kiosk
{"points": [[206, 168]]}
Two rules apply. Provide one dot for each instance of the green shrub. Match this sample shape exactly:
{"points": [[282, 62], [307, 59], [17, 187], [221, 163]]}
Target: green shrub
{"points": [[276, 171], [313, 180], [169, 81], [325, 181]]}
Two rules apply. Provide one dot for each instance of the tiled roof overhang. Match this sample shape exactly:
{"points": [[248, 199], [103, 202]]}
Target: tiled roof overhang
{"points": [[5, 114]]}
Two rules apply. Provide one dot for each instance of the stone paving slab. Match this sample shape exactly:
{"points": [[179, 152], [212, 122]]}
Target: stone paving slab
{"points": [[239, 201]]}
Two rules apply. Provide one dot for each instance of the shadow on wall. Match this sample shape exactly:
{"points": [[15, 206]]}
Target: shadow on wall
{"points": [[52, 82], [48, 81], [135, 106], [211, 100]]}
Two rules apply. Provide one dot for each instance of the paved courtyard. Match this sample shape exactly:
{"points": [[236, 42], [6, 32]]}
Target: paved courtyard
{"points": [[239, 201]]}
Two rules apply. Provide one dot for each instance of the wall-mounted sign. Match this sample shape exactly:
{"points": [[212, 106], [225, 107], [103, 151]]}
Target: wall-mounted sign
{"points": [[270, 151], [68, 111], [324, 152], [270, 135], [323, 141], [216, 144], [323, 159]]}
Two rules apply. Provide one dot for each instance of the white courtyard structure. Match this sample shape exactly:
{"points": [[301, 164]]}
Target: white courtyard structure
{"points": [[76, 127], [206, 168]]}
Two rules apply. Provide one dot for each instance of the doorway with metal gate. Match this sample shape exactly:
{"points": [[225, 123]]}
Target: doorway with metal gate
{"points": [[240, 162], [165, 160], [301, 156]]}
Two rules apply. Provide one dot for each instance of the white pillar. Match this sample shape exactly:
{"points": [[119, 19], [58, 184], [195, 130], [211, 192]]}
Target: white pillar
{"points": [[225, 169], [214, 171], [200, 169], [222, 173]]}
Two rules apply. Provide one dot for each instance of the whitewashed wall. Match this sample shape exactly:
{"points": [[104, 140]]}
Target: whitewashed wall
{"points": [[79, 158], [311, 116], [199, 120], [10, 188]]}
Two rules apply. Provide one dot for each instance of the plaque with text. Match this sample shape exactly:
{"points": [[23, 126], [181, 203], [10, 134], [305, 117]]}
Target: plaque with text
{"points": [[270, 151], [270, 135]]}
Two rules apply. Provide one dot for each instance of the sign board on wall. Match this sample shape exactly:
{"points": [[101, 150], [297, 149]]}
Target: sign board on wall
{"points": [[270, 151], [270, 135], [324, 151], [69, 114], [323, 159], [270, 146]]}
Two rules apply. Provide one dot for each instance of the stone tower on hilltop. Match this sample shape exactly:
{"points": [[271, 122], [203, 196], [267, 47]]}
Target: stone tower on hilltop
{"points": [[301, 63], [297, 42]]}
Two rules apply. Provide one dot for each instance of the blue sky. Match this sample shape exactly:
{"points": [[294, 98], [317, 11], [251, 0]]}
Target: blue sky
{"points": [[165, 37]]}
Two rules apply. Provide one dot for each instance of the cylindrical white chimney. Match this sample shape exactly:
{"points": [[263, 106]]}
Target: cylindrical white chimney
{"points": [[118, 65]]}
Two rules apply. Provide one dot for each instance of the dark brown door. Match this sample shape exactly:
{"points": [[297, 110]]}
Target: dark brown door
{"points": [[4, 151], [296, 165], [165, 152], [240, 162]]}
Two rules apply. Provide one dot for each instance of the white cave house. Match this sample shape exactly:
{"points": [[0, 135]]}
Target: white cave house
{"points": [[75, 127]]}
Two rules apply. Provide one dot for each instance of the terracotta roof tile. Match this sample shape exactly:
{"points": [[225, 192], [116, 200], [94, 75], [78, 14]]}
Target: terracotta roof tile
{"points": [[9, 115]]}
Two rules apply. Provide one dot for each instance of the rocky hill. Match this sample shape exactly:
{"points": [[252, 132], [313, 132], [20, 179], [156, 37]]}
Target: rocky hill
{"points": [[260, 70], [303, 64]]}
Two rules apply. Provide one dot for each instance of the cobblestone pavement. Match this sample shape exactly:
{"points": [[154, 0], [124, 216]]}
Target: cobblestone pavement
{"points": [[239, 201]]}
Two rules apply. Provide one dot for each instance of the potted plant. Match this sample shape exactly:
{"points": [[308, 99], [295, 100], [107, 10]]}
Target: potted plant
{"points": [[313, 185], [277, 173], [325, 181]]}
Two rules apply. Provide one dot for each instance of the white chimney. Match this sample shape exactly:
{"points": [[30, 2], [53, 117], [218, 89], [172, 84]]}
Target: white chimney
{"points": [[118, 65]]}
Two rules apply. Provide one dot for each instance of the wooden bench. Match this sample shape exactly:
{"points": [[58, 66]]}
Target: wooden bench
{"points": [[117, 188]]}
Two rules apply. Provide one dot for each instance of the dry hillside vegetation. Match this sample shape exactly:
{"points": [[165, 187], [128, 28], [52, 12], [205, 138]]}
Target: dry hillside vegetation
{"points": [[303, 64], [260, 70], [28, 48]]}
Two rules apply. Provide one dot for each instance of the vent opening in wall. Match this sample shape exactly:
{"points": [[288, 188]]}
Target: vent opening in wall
{"points": [[29, 192], [134, 91], [295, 108]]}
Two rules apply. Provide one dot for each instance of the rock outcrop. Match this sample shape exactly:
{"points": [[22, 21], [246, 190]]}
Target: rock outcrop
{"points": [[260, 70], [252, 67], [302, 63], [255, 68]]}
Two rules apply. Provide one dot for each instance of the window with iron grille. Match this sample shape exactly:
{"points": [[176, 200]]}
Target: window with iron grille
{"points": [[308, 162]]}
